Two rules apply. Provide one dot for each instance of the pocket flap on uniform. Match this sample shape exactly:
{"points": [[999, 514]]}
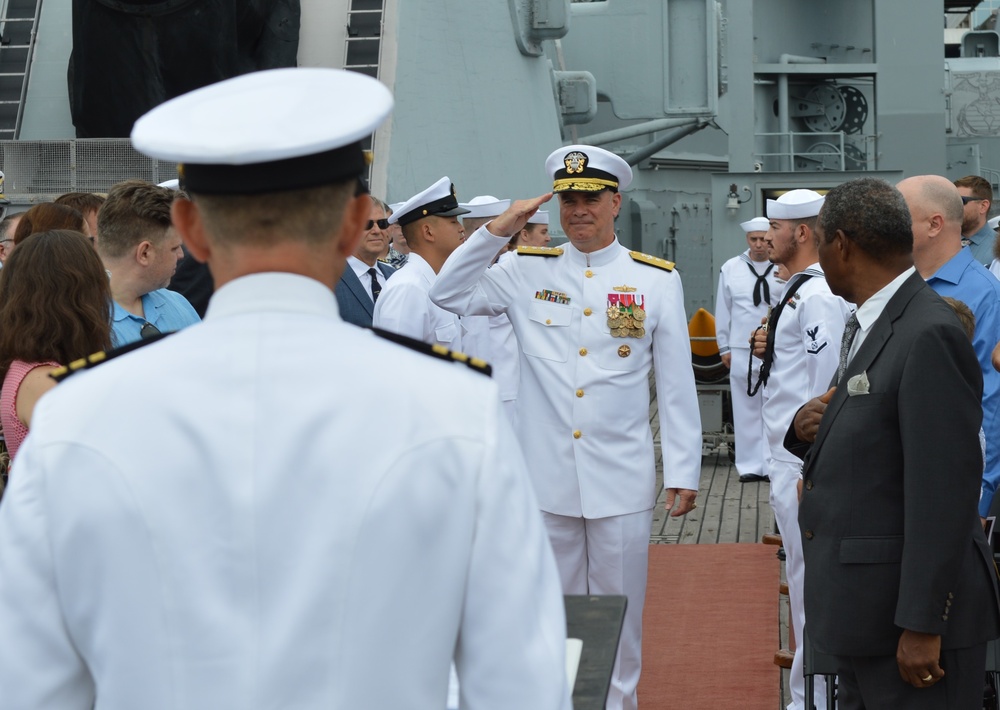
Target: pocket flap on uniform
{"points": [[871, 550], [549, 313]]}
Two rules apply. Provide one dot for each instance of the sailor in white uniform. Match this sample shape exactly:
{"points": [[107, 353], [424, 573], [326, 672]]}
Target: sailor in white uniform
{"points": [[491, 338], [592, 320], [748, 287], [228, 526], [807, 325], [430, 224]]}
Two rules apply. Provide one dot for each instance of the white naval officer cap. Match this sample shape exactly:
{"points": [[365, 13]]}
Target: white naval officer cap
{"points": [[438, 200], [281, 129], [993, 223], [795, 204], [485, 206], [757, 224], [540, 217], [587, 168], [174, 184]]}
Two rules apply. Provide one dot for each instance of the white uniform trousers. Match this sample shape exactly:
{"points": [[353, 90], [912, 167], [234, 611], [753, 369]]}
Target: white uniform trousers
{"points": [[608, 556], [784, 499], [748, 420]]}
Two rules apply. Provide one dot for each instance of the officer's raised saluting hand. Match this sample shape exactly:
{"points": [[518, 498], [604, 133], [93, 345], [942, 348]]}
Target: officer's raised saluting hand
{"points": [[517, 215]]}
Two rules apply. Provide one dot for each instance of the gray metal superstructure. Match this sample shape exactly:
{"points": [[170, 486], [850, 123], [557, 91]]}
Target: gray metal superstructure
{"points": [[714, 103]]}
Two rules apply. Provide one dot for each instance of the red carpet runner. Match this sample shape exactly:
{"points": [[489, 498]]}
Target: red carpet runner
{"points": [[710, 628]]}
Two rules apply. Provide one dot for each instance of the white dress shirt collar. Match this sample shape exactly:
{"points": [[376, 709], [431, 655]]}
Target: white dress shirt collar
{"points": [[273, 292], [871, 309]]}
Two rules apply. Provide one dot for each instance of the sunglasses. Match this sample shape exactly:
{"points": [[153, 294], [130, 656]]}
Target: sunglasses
{"points": [[148, 330], [967, 199], [382, 224]]}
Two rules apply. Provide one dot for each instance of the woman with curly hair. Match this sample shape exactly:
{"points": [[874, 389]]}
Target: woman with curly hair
{"points": [[55, 307]]}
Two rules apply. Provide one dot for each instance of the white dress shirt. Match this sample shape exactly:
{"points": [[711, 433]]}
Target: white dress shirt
{"points": [[361, 270], [405, 308]]}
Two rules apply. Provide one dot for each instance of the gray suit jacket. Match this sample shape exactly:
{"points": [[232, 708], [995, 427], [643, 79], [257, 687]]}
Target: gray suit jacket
{"points": [[891, 533], [354, 297]]}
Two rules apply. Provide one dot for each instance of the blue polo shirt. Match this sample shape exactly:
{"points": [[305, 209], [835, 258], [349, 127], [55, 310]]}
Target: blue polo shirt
{"points": [[165, 309], [965, 279]]}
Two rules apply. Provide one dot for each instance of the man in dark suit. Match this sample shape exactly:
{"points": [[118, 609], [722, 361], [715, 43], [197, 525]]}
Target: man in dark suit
{"points": [[899, 580], [365, 276]]}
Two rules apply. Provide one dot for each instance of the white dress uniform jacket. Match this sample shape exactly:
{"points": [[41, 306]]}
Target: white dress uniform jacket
{"points": [[231, 534], [806, 354], [405, 308], [583, 402]]}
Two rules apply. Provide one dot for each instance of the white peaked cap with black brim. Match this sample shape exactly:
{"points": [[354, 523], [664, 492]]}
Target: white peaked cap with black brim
{"points": [[267, 131], [438, 200], [587, 168]]}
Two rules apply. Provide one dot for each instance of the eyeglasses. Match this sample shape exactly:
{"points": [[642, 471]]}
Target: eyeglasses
{"points": [[148, 330], [382, 224], [966, 199], [4, 241]]}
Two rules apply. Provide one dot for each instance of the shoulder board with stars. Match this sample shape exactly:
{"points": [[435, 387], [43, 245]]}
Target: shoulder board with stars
{"points": [[652, 260], [438, 351], [539, 251], [85, 363]]}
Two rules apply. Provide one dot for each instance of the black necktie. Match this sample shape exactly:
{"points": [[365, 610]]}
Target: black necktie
{"points": [[761, 289], [376, 286], [850, 330]]}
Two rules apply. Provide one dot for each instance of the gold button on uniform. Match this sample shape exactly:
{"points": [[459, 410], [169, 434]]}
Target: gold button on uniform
{"points": [[809, 485], [588, 273], [583, 351], [577, 434], [548, 321], [579, 393], [587, 311]]}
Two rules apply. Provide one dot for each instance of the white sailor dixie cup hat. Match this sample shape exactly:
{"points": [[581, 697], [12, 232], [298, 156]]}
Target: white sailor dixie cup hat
{"points": [[281, 129], [438, 200], [587, 168], [993, 223], [795, 204], [540, 217], [485, 206], [757, 224]]}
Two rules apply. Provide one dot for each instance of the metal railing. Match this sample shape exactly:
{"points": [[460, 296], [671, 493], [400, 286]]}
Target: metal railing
{"points": [[816, 152]]}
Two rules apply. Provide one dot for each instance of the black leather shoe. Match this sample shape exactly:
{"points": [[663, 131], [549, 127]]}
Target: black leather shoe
{"points": [[752, 478]]}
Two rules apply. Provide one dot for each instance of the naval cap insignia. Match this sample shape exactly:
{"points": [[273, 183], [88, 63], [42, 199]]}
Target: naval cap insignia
{"points": [[575, 162]]}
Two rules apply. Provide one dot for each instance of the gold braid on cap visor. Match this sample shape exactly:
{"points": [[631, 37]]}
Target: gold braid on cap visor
{"points": [[582, 185]]}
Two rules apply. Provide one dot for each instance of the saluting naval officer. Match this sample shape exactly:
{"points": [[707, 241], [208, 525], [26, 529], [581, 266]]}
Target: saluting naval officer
{"points": [[432, 229], [748, 286], [592, 319], [800, 354], [273, 550]]}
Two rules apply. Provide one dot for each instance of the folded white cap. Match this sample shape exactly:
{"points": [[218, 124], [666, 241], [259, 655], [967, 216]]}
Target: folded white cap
{"points": [[795, 204], [757, 224], [485, 206]]}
